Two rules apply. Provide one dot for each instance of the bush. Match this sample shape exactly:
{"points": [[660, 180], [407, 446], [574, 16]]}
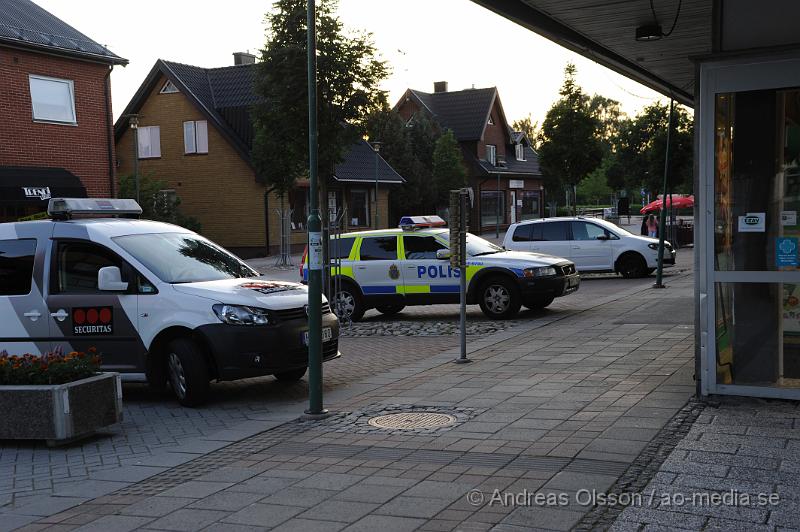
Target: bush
{"points": [[50, 368]]}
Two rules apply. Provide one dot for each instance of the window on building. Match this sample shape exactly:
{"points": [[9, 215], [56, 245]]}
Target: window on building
{"points": [[149, 142], [379, 248], [169, 88], [490, 121], [492, 203], [491, 154], [52, 99], [298, 203], [358, 208], [421, 247], [195, 136], [530, 204], [16, 266], [520, 148]]}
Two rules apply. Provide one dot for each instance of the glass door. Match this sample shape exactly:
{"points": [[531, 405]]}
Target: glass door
{"points": [[750, 171]]}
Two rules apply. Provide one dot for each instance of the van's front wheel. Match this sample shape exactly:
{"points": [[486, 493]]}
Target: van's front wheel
{"points": [[188, 372]]}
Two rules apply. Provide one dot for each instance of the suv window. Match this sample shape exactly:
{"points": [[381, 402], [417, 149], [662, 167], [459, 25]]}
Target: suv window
{"points": [[379, 248], [421, 247], [523, 233], [587, 231], [16, 266], [551, 231], [340, 248], [77, 264]]}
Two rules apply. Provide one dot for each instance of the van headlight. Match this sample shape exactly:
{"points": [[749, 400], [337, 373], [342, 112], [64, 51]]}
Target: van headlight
{"points": [[545, 271], [241, 315]]}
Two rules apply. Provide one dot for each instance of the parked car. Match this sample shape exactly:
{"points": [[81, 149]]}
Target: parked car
{"points": [[158, 302], [389, 269], [593, 244]]}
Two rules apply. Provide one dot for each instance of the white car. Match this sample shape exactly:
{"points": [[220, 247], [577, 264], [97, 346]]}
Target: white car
{"points": [[158, 302], [593, 244]]}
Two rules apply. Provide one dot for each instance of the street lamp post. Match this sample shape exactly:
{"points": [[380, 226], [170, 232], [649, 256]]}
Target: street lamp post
{"points": [[497, 211], [376, 147], [134, 125]]}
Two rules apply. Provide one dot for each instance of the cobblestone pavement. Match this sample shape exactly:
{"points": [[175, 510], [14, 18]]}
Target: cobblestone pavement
{"points": [[744, 452], [564, 402]]}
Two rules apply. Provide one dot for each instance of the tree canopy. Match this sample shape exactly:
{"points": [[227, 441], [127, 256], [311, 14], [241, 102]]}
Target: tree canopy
{"points": [[348, 78]]}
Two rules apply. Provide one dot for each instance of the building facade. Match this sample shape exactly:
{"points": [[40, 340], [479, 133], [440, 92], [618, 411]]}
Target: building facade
{"points": [[56, 128], [193, 132], [503, 169]]}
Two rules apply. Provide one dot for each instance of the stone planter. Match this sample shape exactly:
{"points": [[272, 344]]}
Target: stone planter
{"points": [[60, 413]]}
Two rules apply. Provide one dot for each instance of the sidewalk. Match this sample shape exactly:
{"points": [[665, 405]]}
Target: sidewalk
{"points": [[558, 404]]}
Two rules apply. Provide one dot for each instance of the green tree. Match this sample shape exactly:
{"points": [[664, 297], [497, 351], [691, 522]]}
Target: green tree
{"points": [[448, 169], [638, 160], [156, 204], [608, 115], [594, 188], [570, 147], [348, 76]]}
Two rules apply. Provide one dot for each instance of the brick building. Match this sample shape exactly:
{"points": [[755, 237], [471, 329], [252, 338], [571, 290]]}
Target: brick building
{"points": [[56, 134], [503, 168], [195, 134]]}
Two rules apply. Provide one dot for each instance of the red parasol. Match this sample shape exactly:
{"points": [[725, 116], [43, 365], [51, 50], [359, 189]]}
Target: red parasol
{"points": [[674, 201]]}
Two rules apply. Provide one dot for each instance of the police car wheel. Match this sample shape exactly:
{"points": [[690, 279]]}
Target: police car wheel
{"points": [[188, 372], [348, 303], [538, 303], [293, 375], [390, 310], [499, 298]]}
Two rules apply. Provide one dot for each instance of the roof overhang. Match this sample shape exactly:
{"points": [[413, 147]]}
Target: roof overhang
{"points": [[605, 33], [63, 52]]}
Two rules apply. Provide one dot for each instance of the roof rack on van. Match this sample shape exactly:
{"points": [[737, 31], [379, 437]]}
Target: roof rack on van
{"points": [[66, 208], [409, 223]]}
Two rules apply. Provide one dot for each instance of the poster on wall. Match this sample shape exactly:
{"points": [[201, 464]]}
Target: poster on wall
{"points": [[753, 222]]}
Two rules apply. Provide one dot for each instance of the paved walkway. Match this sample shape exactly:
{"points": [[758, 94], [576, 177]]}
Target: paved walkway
{"points": [[561, 403]]}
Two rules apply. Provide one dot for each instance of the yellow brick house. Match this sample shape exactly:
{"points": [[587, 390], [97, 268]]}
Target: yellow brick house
{"points": [[195, 134]]}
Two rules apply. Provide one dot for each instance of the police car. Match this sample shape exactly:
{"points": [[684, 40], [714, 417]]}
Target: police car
{"points": [[389, 269], [158, 302]]}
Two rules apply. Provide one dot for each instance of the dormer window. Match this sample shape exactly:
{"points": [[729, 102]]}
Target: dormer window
{"points": [[520, 148], [491, 154], [168, 88]]}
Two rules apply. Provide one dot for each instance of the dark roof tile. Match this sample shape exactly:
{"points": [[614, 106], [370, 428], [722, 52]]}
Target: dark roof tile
{"points": [[463, 112], [359, 165]]}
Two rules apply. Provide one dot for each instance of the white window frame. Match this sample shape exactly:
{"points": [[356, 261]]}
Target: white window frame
{"points": [[70, 87], [490, 121], [148, 148], [491, 154], [195, 137], [520, 151], [168, 88]]}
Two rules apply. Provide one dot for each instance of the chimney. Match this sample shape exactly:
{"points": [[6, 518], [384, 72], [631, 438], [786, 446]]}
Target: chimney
{"points": [[439, 86], [243, 58]]}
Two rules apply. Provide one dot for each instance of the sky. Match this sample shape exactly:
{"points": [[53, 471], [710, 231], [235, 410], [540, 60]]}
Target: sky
{"points": [[422, 40]]}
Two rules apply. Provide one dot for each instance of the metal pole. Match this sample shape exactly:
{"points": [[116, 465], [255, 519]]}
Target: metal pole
{"points": [[663, 216], [376, 146], [315, 242], [134, 122], [497, 214], [462, 267]]}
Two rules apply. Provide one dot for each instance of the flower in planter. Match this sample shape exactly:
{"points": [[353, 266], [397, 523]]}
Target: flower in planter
{"points": [[49, 368]]}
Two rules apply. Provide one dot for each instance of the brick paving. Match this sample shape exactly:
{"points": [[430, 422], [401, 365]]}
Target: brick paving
{"points": [[564, 402]]}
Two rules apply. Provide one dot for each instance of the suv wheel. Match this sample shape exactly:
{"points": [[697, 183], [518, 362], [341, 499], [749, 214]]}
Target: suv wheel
{"points": [[390, 310], [348, 303], [188, 372], [499, 298], [632, 265]]}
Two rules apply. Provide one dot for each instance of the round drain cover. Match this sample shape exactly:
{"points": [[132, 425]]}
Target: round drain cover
{"points": [[413, 420]]}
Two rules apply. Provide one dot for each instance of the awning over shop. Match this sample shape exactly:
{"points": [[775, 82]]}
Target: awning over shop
{"points": [[25, 185]]}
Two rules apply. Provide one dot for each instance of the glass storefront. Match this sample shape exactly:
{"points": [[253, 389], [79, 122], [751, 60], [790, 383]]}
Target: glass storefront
{"points": [[530, 205], [756, 279], [492, 202]]}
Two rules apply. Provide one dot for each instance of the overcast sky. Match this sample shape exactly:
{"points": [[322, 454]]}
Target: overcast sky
{"points": [[423, 40]]}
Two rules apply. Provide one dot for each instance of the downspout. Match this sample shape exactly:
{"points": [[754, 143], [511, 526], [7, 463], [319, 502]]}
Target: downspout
{"points": [[266, 221], [109, 132]]}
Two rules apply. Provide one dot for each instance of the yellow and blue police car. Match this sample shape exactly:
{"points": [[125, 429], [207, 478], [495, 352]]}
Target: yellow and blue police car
{"points": [[392, 268]]}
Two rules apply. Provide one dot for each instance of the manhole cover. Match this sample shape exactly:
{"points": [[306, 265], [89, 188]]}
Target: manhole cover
{"points": [[413, 420]]}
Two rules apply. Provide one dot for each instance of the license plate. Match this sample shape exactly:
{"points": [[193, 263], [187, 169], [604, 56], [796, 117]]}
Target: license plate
{"points": [[573, 281], [327, 334]]}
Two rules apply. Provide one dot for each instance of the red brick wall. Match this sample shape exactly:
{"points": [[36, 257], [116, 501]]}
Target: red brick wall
{"points": [[494, 134], [83, 148]]}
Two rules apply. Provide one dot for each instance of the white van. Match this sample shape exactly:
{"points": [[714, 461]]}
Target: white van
{"points": [[158, 302]]}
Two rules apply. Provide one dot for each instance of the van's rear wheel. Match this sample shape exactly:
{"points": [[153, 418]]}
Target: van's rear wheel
{"points": [[632, 265], [188, 372]]}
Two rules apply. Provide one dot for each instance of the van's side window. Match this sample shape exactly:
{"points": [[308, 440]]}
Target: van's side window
{"points": [[523, 233], [16, 266], [77, 264]]}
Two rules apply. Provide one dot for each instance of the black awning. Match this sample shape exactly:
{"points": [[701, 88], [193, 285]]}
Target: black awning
{"points": [[29, 185]]}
